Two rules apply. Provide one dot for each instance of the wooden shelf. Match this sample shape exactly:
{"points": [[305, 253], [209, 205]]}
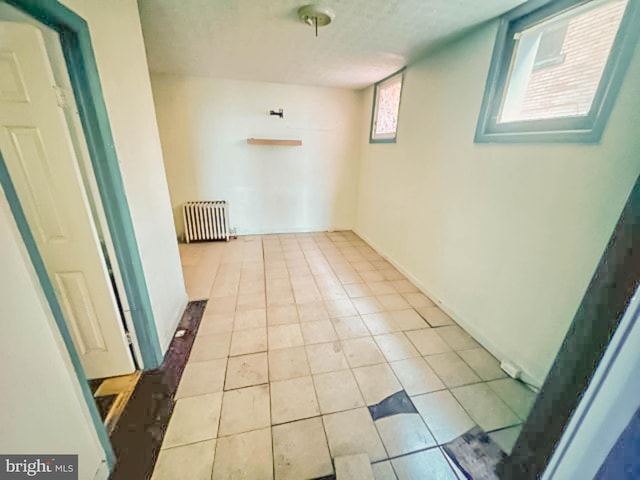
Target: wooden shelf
{"points": [[272, 141]]}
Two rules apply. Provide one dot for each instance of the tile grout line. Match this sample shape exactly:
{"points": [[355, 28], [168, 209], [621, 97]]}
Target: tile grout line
{"points": [[266, 314], [320, 416], [226, 372], [350, 369]]}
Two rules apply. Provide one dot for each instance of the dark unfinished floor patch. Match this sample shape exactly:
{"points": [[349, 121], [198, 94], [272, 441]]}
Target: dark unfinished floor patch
{"points": [[475, 454], [104, 405], [111, 396], [138, 435], [94, 384], [399, 402]]}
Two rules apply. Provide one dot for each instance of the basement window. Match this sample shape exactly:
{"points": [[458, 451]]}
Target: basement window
{"points": [[386, 108], [556, 71]]}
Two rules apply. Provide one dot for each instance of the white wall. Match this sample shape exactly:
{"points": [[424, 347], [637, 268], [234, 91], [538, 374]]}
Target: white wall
{"points": [[204, 124], [43, 411], [122, 64], [506, 237]]}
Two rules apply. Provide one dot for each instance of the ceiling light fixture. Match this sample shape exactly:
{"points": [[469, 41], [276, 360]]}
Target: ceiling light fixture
{"points": [[316, 16]]}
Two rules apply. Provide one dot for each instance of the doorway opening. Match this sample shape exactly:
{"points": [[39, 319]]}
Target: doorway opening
{"points": [[43, 148], [60, 175], [47, 160]]}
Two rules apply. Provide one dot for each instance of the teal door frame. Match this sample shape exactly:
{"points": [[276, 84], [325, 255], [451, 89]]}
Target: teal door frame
{"points": [[80, 60]]}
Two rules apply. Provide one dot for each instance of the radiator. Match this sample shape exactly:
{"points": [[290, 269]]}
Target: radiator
{"points": [[206, 221]]}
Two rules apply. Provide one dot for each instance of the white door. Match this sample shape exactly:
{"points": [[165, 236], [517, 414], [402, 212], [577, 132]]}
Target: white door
{"points": [[37, 148]]}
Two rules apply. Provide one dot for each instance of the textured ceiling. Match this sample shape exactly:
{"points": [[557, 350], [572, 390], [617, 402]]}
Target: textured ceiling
{"points": [[264, 40]]}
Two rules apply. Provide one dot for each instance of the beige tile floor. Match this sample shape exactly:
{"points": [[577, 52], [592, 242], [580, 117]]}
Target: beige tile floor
{"points": [[301, 333]]}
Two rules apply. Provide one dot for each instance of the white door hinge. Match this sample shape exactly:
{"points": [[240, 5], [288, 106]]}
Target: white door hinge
{"points": [[64, 97], [128, 335]]}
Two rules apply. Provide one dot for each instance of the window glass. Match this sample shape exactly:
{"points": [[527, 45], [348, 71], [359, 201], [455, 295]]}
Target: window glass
{"points": [[386, 108], [558, 64]]}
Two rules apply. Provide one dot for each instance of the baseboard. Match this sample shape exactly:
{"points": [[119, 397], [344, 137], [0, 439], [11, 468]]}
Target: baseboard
{"points": [[307, 229], [168, 336], [482, 339], [316, 229]]}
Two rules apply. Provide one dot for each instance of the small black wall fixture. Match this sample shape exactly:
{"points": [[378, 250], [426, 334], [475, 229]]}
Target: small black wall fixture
{"points": [[277, 113]]}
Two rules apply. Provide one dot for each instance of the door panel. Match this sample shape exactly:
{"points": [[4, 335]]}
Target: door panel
{"points": [[35, 173], [12, 88], [36, 145], [82, 318]]}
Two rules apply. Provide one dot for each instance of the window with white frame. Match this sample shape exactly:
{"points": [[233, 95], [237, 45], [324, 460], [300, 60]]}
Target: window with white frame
{"points": [[386, 107], [556, 70]]}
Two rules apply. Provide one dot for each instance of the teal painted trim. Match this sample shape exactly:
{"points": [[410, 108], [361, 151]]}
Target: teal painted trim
{"points": [[373, 108], [587, 129], [81, 64], [52, 300]]}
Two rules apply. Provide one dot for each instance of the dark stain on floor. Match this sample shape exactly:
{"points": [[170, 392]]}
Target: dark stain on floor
{"points": [[475, 454], [138, 435], [394, 404]]}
